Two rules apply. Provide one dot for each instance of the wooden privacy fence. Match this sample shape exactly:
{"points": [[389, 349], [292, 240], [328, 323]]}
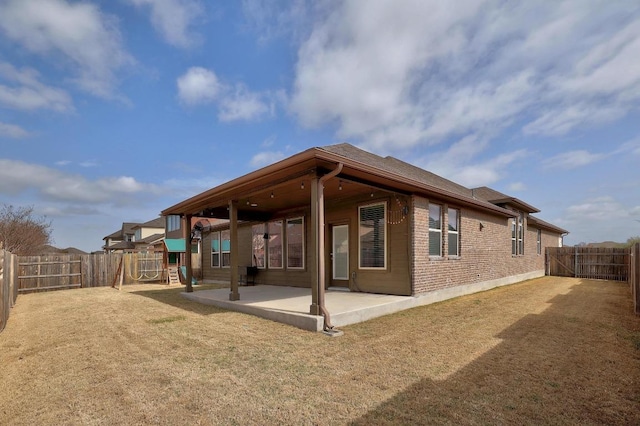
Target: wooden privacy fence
{"points": [[54, 272], [589, 262], [8, 285], [634, 276]]}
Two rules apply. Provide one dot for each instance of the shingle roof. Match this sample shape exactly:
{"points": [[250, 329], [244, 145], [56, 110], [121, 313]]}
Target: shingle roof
{"points": [[398, 167], [154, 223], [498, 198], [150, 239], [546, 225]]}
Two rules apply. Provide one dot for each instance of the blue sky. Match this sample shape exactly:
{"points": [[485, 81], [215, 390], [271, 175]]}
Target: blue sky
{"points": [[111, 111]]}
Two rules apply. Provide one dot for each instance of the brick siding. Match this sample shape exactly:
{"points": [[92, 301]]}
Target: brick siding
{"points": [[485, 250]]}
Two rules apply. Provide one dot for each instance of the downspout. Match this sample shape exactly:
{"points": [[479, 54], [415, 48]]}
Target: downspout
{"points": [[321, 248]]}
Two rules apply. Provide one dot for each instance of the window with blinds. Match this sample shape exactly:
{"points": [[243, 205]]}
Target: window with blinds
{"points": [[373, 233], [435, 230]]}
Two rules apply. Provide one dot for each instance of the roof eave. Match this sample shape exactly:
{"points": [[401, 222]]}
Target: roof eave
{"points": [[319, 154]]}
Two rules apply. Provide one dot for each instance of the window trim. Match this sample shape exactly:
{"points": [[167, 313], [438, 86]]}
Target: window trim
{"points": [[539, 241], [385, 243], [439, 231], [301, 218]]}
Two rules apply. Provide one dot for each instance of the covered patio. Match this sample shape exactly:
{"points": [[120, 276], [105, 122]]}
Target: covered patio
{"points": [[290, 305]]}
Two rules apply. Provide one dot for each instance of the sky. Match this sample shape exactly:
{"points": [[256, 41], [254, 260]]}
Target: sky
{"points": [[111, 111]]}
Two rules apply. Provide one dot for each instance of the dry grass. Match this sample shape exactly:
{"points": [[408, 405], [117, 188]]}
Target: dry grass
{"points": [[547, 351]]}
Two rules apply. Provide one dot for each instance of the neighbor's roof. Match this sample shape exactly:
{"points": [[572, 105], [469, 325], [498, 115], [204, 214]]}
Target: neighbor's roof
{"points": [[121, 245], [150, 239], [158, 222]]}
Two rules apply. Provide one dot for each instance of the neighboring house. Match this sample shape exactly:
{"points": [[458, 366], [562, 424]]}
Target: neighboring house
{"points": [[174, 241], [135, 236], [338, 216], [120, 240]]}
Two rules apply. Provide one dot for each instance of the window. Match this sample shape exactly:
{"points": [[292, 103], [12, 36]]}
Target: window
{"points": [[295, 243], [173, 222], [258, 245], [453, 232], [275, 244], [225, 245], [435, 230], [517, 235], [138, 235], [215, 250], [539, 241], [372, 233]]}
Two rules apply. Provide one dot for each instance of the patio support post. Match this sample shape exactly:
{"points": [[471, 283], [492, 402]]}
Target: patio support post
{"points": [[314, 239], [321, 246], [186, 226], [233, 230]]}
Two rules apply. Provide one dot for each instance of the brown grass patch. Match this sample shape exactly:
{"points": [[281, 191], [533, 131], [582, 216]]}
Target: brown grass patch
{"points": [[547, 351]]}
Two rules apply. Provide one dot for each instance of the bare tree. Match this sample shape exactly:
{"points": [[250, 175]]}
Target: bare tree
{"points": [[21, 233]]}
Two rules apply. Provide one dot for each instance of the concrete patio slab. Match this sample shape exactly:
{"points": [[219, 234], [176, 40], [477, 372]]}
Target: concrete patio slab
{"points": [[290, 305]]}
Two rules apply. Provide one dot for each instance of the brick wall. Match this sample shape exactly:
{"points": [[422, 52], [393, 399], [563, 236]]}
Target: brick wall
{"points": [[485, 250]]}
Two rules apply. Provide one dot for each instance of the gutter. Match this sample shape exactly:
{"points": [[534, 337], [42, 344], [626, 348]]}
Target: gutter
{"points": [[328, 327]]}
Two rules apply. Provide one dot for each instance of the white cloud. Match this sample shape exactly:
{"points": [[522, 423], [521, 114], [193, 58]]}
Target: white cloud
{"points": [[632, 147], [457, 163], [17, 177], [198, 86], [173, 19], [28, 93], [242, 104], [603, 218], [266, 157], [396, 75], [87, 40], [269, 141], [517, 187], [12, 131], [573, 159], [271, 21], [597, 209]]}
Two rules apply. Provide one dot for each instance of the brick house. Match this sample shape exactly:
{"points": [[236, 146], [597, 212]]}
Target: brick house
{"points": [[340, 217]]}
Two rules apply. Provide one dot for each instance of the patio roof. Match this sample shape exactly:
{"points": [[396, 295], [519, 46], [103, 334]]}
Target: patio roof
{"points": [[286, 185]]}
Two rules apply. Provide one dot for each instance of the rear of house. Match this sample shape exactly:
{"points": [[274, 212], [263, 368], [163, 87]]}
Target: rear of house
{"points": [[340, 217]]}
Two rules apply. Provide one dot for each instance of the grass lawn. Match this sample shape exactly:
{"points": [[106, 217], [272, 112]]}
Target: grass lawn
{"points": [[546, 351]]}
